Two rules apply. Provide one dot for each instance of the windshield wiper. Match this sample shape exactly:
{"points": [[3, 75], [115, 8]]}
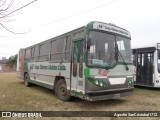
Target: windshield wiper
{"points": [[117, 53]]}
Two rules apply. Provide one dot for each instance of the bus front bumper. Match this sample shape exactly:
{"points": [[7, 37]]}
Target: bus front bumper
{"points": [[108, 94]]}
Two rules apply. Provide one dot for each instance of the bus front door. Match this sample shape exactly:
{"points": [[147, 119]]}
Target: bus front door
{"points": [[145, 69], [77, 82]]}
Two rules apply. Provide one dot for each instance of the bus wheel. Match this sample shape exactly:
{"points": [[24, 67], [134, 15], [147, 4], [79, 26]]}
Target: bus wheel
{"points": [[61, 91], [26, 83]]}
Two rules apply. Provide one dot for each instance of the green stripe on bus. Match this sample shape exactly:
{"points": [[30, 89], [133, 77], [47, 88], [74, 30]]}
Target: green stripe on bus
{"points": [[86, 71]]}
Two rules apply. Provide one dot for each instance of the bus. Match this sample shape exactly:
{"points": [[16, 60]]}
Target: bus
{"points": [[147, 62], [93, 62]]}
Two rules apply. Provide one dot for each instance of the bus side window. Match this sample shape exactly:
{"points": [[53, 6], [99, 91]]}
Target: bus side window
{"points": [[27, 54], [43, 55], [32, 53], [67, 48], [36, 53], [57, 49]]}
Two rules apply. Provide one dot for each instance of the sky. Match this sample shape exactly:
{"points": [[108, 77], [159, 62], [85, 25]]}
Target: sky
{"points": [[45, 19]]}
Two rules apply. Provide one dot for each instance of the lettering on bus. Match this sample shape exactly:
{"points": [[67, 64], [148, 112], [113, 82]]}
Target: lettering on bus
{"points": [[49, 67], [110, 28]]}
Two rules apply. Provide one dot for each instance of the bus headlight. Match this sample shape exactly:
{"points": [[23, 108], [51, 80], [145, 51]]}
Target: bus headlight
{"points": [[101, 84], [96, 82], [130, 81]]}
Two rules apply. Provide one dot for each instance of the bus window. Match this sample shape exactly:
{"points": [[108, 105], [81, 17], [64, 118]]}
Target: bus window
{"points": [[123, 47], [43, 55], [36, 53], [142, 59], [92, 49], [120, 45], [139, 57], [32, 54], [57, 49], [106, 48], [28, 54], [100, 49], [67, 48]]}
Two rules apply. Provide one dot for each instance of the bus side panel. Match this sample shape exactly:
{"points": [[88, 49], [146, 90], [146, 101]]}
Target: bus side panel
{"points": [[44, 73]]}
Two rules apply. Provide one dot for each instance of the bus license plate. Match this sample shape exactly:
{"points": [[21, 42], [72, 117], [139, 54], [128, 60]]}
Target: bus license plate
{"points": [[116, 95]]}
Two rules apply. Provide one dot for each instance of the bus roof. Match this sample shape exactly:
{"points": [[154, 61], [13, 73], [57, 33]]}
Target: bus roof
{"points": [[145, 45]]}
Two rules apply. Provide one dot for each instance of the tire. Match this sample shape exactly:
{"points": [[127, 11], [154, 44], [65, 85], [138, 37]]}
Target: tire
{"points": [[26, 83], [61, 91]]}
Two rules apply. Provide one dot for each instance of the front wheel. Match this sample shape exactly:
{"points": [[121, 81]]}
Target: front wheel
{"points": [[61, 91], [26, 83]]}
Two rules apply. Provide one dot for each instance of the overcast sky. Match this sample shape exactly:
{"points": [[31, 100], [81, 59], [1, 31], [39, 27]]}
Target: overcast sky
{"points": [[140, 17]]}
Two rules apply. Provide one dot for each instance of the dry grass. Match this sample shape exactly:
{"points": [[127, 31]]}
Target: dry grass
{"points": [[15, 96]]}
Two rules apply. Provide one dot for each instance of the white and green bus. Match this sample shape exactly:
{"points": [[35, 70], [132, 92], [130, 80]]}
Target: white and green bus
{"points": [[92, 62]]}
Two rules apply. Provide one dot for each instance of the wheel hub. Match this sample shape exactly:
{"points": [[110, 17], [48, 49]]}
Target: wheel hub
{"points": [[63, 90]]}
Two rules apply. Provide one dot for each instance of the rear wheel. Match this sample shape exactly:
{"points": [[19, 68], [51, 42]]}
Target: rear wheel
{"points": [[61, 90], [26, 83]]}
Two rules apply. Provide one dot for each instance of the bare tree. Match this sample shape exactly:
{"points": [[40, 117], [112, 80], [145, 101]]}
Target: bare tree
{"points": [[6, 12], [6, 6]]}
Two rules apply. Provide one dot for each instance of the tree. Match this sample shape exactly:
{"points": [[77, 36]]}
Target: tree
{"points": [[6, 11], [12, 61], [6, 7]]}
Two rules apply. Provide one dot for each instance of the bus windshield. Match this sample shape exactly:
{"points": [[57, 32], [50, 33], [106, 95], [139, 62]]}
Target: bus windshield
{"points": [[101, 49], [159, 61]]}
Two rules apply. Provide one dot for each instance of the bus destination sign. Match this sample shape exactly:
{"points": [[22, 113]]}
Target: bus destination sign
{"points": [[110, 28]]}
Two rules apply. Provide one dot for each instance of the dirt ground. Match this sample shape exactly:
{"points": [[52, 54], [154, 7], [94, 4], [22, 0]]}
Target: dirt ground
{"points": [[15, 96]]}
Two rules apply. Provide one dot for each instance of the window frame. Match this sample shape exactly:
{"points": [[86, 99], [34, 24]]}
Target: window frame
{"points": [[47, 53], [27, 58], [50, 49], [67, 51]]}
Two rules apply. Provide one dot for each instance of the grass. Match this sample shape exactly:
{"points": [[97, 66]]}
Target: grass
{"points": [[15, 96]]}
